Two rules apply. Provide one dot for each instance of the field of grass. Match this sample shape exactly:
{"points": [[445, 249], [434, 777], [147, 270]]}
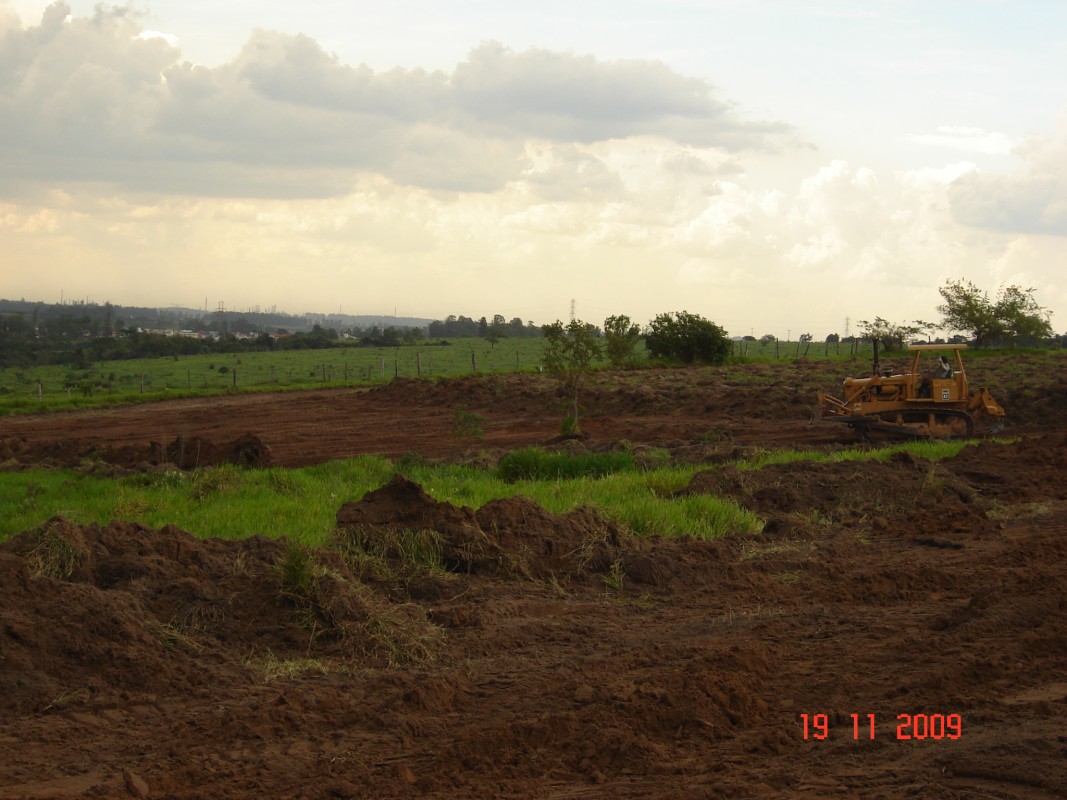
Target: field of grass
{"points": [[50, 388], [232, 503], [55, 388]]}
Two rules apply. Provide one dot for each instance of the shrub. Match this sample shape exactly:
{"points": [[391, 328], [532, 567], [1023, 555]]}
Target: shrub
{"points": [[569, 355], [685, 337], [620, 338]]}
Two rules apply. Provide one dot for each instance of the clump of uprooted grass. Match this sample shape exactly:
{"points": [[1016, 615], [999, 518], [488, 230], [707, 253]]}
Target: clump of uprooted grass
{"points": [[381, 553], [334, 605], [271, 667], [56, 549]]}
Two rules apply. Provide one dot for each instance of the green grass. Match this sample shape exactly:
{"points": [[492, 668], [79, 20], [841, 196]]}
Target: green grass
{"points": [[533, 463], [930, 450], [232, 503]]}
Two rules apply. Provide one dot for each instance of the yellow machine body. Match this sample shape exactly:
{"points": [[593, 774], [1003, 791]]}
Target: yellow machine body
{"points": [[923, 401]]}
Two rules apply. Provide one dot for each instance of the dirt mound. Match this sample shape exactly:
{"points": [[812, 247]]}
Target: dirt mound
{"points": [[1027, 470], [511, 537], [122, 607], [185, 452], [864, 494], [188, 668], [195, 451]]}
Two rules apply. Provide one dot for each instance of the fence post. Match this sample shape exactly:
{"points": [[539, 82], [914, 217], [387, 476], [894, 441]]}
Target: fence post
{"points": [[235, 377], [418, 363]]}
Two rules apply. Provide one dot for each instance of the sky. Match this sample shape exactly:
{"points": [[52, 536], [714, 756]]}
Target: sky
{"points": [[777, 166]]}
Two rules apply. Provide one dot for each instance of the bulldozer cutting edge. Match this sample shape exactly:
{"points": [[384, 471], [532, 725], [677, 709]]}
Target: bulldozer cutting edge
{"points": [[916, 403]]}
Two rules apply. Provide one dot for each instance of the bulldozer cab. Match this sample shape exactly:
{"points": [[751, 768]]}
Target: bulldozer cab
{"points": [[936, 374]]}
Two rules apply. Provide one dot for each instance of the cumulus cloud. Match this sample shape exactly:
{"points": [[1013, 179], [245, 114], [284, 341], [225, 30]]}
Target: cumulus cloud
{"points": [[569, 97], [841, 224], [100, 99], [1031, 200], [970, 140]]}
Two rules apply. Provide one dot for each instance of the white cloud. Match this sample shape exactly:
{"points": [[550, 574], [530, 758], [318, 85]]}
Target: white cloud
{"points": [[103, 100], [169, 38], [1031, 200], [971, 140], [569, 97]]}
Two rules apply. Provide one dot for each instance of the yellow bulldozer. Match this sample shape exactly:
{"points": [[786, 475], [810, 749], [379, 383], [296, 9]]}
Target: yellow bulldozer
{"points": [[930, 399]]}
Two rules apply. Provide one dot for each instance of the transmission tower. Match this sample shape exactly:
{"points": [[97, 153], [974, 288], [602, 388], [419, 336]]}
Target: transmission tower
{"points": [[572, 309]]}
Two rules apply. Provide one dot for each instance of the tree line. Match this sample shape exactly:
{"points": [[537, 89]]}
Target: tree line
{"points": [[453, 327], [79, 334]]}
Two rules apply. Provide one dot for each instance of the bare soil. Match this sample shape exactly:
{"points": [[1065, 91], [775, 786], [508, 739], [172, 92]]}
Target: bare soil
{"points": [[553, 656]]}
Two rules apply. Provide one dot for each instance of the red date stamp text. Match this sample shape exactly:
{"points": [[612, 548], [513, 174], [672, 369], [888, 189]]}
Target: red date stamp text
{"points": [[907, 727]]}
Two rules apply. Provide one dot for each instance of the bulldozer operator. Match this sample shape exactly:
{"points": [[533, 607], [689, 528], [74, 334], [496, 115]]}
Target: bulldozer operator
{"points": [[942, 370]]}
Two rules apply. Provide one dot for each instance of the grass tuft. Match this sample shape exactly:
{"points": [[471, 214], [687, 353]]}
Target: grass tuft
{"points": [[55, 549], [533, 463], [272, 668], [381, 553]]}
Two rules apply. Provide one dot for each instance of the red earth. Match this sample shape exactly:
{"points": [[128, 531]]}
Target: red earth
{"points": [[897, 630]]}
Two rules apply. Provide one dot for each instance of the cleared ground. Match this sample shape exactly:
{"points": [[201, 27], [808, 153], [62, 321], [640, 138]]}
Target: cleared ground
{"points": [[557, 656]]}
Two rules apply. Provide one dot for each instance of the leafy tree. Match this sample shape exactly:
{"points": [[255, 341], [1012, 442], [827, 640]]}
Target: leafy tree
{"points": [[569, 354], [1020, 316], [968, 308], [681, 336], [391, 336], [1015, 315], [496, 331], [891, 335], [620, 338]]}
